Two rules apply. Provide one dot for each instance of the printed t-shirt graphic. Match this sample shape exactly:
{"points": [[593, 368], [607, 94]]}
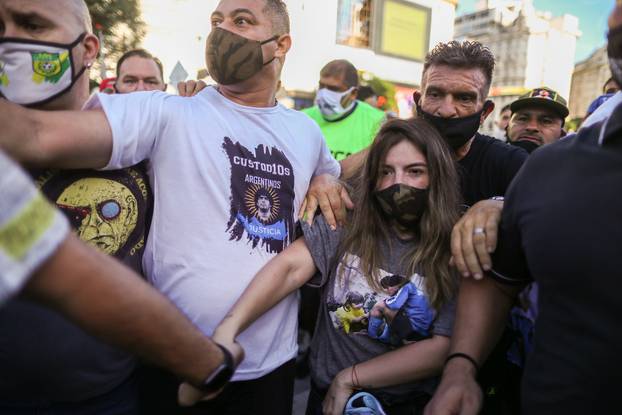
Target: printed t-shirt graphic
{"points": [[262, 192], [353, 299], [107, 209]]}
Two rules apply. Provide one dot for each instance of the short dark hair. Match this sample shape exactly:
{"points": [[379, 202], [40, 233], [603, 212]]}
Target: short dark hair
{"points": [[262, 192], [392, 281], [353, 297], [467, 55], [342, 67], [506, 108], [141, 53], [277, 11], [609, 80]]}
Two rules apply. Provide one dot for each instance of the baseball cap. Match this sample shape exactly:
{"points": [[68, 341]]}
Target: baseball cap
{"points": [[542, 97]]}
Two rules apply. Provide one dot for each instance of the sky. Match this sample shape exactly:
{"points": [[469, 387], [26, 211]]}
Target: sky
{"points": [[592, 16]]}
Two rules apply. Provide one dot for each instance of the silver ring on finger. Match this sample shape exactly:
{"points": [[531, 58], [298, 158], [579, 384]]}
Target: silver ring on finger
{"points": [[478, 231]]}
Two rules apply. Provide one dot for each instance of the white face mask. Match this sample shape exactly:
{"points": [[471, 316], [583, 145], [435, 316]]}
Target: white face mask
{"points": [[33, 72], [329, 103]]}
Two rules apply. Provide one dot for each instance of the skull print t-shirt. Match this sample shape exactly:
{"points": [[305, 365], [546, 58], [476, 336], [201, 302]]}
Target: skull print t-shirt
{"points": [[357, 322], [228, 181], [43, 355], [109, 210]]}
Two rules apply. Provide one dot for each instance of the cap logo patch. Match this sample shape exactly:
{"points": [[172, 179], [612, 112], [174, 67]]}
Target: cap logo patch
{"points": [[543, 93]]}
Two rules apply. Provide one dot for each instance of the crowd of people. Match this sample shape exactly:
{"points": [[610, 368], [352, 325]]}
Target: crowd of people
{"points": [[153, 246]]}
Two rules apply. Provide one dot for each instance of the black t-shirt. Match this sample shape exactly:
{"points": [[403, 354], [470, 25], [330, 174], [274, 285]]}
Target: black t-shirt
{"points": [[44, 357], [488, 168], [562, 227]]}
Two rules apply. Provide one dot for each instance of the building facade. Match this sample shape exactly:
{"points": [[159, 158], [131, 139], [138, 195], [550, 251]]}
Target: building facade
{"points": [[388, 38], [531, 48], [588, 79], [385, 38]]}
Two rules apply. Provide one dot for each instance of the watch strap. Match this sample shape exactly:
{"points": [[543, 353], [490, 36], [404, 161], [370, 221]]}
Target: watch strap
{"points": [[222, 374]]}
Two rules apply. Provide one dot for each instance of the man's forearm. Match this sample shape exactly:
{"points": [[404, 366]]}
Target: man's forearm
{"points": [[281, 276], [114, 303], [352, 163], [61, 139], [481, 315]]}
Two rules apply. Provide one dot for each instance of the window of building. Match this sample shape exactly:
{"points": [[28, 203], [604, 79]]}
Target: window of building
{"points": [[354, 19]]}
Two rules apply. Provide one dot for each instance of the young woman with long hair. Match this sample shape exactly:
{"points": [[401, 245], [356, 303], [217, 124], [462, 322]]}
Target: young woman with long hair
{"points": [[407, 201]]}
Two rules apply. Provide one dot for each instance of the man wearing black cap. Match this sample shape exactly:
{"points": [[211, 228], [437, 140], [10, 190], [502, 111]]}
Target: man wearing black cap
{"points": [[537, 119]]}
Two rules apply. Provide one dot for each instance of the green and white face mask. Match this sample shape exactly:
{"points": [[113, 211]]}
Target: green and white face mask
{"points": [[34, 72]]}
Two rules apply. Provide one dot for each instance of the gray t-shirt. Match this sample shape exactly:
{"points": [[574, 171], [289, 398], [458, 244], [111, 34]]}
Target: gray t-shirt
{"points": [[342, 336]]}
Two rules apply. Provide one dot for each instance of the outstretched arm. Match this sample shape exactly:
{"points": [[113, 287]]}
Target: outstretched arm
{"points": [[420, 360], [282, 275], [65, 139], [112, 302], [483, 307]]}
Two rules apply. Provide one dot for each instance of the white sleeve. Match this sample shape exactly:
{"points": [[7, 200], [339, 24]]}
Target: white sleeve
{"points": [[136, 120], [326, 162], [31, 229]]}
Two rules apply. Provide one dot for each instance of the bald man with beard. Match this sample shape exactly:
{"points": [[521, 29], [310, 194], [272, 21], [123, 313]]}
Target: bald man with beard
{"points": [[47, 364]]}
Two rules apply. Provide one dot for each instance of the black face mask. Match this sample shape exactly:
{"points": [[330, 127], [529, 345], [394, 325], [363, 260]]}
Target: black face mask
{"points": [[232, 58], [455, 131], [402, 203], [527, 145], [614, 51]]}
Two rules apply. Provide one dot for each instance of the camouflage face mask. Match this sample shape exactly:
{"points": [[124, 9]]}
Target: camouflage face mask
{"points": [[402, 203], [33, 72], [232, 58]]}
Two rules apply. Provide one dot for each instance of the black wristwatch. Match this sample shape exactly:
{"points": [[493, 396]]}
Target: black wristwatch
{"points": [[221, 375]]}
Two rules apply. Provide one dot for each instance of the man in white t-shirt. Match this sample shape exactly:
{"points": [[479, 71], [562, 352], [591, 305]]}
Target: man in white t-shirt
{"points": [[209, 156]]}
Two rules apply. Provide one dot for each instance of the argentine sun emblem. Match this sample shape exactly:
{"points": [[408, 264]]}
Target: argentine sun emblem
{"points": [[49, 67]]}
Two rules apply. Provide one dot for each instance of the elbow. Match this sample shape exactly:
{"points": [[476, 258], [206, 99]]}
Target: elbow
{"points": [[296, 278], [298, 275], [297, 263]]}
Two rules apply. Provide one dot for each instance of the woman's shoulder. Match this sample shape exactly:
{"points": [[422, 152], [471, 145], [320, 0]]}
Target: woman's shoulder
{"points": [[320, 229]]}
